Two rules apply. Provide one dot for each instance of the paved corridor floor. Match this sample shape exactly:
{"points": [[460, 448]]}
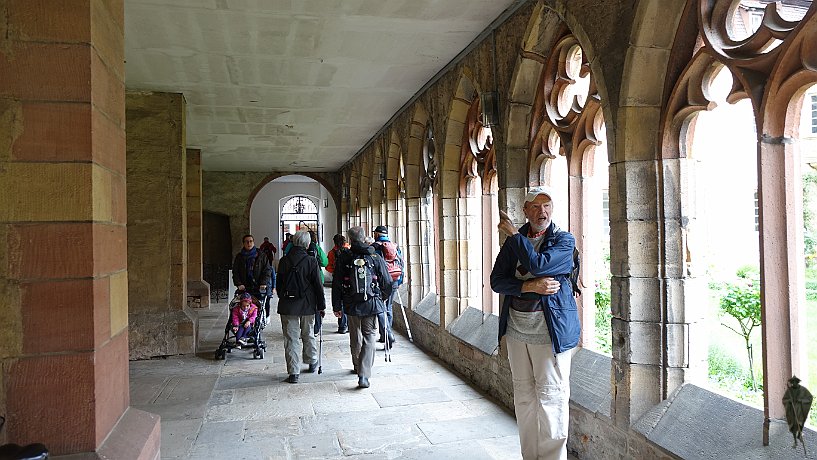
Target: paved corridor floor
{"points": [[241, 408]]}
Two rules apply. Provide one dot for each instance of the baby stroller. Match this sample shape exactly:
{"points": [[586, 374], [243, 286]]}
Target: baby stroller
{"points": [[254, 340]]}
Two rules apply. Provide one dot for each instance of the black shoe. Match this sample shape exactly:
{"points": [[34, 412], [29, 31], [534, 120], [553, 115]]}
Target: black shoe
{"points": [[354, 371], [293, 378], [363, 382], [381, 340], [343, 330], [312, 368]]}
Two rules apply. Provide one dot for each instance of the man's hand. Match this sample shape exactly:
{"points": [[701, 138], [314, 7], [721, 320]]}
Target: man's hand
{"points": [[544, 286], [240, 287], [323, 313], [338, 314]]}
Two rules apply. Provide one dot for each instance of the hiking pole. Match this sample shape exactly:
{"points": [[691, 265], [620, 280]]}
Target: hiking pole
{"points": [[387, 347], [320, 350], [405, 319]]}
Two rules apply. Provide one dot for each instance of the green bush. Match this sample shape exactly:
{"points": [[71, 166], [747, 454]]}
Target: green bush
{"points": [[741, 301], [604, 339]]}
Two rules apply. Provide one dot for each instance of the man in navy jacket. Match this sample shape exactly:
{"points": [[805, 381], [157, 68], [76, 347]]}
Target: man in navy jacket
{"points": [[541, 322]]}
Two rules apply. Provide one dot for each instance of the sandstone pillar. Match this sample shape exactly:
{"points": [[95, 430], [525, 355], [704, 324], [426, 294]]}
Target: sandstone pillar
{"points": [[63, 264], [198, 291], [157, 226]]}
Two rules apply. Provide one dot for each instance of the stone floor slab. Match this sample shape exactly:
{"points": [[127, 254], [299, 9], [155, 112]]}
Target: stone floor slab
{"points": [[410, 397], [466, 429], [240, 408]]}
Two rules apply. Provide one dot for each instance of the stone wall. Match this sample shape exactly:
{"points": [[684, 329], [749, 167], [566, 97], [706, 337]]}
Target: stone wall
{"points": [[157, 226]]}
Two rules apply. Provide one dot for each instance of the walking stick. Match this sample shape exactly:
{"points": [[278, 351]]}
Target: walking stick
{"points": [[387, 347], [320, 350], [405, 319]]}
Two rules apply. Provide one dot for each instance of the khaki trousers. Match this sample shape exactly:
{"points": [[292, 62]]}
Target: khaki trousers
{"points": [[297, 334], [541, 396], [362, 333]]}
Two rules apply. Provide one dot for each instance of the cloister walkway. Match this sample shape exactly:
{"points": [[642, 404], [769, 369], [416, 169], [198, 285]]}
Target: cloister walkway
{"points": [[241, 408]]}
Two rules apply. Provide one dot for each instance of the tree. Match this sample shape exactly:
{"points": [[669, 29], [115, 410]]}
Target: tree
{"points": [[742, 302]]}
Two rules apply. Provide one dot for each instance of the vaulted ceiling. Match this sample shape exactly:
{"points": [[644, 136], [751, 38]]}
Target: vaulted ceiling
{"points": [[294, 85]]}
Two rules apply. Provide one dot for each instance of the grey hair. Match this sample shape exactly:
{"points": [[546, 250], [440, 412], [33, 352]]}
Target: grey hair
{"points": [[356, 235], [301, 238]]}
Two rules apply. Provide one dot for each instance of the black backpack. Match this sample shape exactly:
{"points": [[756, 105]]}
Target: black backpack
{"points": [[294, 282], [360, 284]]}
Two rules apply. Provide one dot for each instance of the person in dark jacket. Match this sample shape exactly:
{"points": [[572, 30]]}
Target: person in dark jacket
{"points": [[389, 252], [252, 271], [362, 313], [298, 309], [541, 323]]}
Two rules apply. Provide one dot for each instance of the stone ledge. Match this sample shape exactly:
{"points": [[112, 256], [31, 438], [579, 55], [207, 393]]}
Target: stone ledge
{"points": [[429, 308], [697, 423], [477, 329], [590, 381]]}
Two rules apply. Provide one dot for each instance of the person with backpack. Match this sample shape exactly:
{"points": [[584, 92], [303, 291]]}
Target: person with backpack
{"points": [[315, 250], [360, 284], [540, 321], [340, 246], [394, 263], [300, 299]]}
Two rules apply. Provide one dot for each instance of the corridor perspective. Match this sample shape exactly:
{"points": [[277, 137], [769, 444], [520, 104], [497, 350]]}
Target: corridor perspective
{"points": [[141, 141]]}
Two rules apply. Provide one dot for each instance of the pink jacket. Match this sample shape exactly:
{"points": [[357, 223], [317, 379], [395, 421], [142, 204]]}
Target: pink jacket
{"points": [[240, 316]]}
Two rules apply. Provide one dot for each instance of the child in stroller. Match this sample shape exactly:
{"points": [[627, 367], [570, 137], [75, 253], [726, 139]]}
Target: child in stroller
{"points": [[243, 326], [243, 318]]}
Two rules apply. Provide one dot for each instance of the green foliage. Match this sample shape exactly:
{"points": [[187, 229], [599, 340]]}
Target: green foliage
{"points": [[809, 231], [723, 367], [604, 316], [741, 301]]}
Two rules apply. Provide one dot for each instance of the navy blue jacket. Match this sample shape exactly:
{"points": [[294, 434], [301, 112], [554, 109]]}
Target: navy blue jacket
{"points": [[555, 259]]}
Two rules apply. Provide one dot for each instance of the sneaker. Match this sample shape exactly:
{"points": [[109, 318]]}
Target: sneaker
{"points": [[312, 368], [363, 382], [242, 342], [293, 378]]}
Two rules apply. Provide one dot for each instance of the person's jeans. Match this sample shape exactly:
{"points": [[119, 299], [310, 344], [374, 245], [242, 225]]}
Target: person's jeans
{"points": [[541, 393], [388, 314], [243, 332], [343, 322]]}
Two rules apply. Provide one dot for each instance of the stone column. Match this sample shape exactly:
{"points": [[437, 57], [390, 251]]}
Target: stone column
{"points": [[160, 323], [198, 291], [63, 265]]}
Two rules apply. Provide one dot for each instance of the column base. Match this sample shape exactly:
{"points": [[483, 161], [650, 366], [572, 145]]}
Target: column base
{"points": [[136, 436]]}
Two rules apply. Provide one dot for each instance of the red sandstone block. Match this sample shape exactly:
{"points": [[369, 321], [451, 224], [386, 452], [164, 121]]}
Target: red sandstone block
{"points": [[108, 90], [54, 132], [110, 248], [111, 387], [107, 141], [32, 254], [58, 316], [62, 21], [50, 399], [41, 71]]}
